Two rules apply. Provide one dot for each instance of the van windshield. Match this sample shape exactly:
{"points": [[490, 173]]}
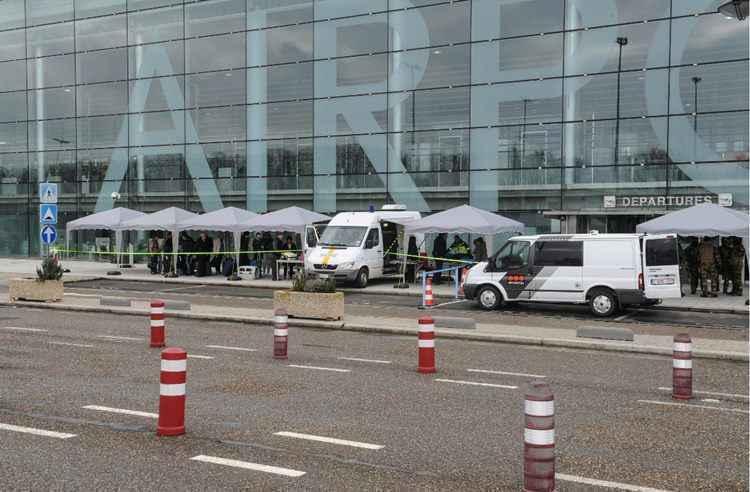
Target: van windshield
{"points": [[348, 236], [512, 256]]}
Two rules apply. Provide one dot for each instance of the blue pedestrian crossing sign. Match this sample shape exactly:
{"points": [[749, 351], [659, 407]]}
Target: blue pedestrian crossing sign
{"points": [[48, 213], [48, 192], [48, 234]]}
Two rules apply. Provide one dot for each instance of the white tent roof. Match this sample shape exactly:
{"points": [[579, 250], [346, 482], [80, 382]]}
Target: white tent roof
{"points": [[706, 219], [464, 219], [168, 219], [228, 219], [290, 219], [108, 220]]}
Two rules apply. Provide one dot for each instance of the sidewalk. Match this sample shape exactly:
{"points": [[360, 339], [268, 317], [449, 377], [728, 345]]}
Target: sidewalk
{"points": [[82, 270], [504, 333]]}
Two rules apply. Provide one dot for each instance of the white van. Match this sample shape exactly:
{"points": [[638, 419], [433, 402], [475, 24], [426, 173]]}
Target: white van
{"points": [[359, 246], [605, 271]]}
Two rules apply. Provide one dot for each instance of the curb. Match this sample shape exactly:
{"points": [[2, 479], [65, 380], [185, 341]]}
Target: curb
{"points": [[442, 333]]}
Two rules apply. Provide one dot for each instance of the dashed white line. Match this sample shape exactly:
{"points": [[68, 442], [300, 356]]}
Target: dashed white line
{"points": [[476, 383], [374, 361], [194, 356], [19, 328], [286, 472], [69, 344], [712, 393], [503, 373], [690, 405], [317, 368], [113, 337], [36, 432], [225, 347], [123, 411], [330, 440], [605, 483]]}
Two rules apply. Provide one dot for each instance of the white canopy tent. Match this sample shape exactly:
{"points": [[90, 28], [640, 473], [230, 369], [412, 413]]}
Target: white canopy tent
{"points": [[168, 219], [705, 219], [109, 220], [290, 219], [229, 219], [464, 219]]}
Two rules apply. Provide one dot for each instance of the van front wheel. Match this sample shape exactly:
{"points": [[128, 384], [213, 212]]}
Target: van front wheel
{"points": [[362, 278], [603, 302], [489, 298]]}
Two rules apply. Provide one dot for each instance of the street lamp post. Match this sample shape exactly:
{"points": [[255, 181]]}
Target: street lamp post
{"points": [[523, 134], [621, 41], [696, 81]]}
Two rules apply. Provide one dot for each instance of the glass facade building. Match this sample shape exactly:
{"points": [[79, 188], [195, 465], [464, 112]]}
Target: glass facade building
{"points": [[526, 107]]}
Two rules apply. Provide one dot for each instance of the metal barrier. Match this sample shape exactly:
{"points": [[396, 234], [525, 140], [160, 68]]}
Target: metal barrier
{"points": [[455, 271]]}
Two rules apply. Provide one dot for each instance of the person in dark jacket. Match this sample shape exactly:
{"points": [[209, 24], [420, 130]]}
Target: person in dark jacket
{"points": [[203, 248], [167, 259], [289, 249], [480, 250], [244, 246], [411, 259], [439, 250]]}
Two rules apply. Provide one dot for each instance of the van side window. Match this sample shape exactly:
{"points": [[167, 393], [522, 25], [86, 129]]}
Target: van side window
{"points": [[514, 255], [558, 253], [661, 252], [373, 237]]}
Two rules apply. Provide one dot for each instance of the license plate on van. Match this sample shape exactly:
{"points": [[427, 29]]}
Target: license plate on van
{"points": [[662, 281]]}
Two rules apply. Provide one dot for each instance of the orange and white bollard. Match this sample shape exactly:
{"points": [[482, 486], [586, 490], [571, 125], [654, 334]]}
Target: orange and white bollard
{"points": [[539, 439], [280, 333], [426, 345], [157, 324], [428, 302], [682, 367], [172, 392]]}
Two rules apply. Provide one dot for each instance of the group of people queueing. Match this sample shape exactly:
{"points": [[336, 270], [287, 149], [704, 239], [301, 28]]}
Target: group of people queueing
{"points": [[458, 254], [705, 261]]}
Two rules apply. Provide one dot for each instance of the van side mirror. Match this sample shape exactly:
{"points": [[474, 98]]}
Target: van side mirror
{"points": [[368, 244]]}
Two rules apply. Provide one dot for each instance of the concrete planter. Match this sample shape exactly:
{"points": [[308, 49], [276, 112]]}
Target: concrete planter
{"points": [[29, 289], [313, 305]]}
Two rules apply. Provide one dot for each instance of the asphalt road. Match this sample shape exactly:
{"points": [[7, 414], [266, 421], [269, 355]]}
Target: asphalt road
{"points": [[613, 423]]}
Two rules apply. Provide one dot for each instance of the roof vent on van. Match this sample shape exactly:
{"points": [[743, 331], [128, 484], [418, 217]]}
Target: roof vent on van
{"points": [[394, 206], [593, 232]]}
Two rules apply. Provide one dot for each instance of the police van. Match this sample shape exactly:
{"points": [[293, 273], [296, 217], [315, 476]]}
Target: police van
{"points": [[606, 271]]}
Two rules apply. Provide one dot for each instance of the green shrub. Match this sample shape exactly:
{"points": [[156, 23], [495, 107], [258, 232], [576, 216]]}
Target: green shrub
{"points": [[309, 283], [51, 269]]}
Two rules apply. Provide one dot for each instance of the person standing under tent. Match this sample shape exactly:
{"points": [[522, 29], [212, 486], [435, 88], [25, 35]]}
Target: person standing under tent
{"points": [[725, 254], [708, 262], [480, 250], [691, 264], [203, 249], [439, 250], [737, 265], [167, 260]]}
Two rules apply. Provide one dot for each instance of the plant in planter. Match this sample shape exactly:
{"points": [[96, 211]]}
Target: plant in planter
{"points": [[311, 297], [48, 286]]}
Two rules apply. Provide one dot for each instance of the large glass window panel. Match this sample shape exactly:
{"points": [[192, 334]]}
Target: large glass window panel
{"points": [[13, 14], [52, 103], [351, 36], [517, 103], [162, 93], [528, 147], [641, 141], [56, 166], [163, 128], [218, 124], [90, 8], [12, 107], [155, 60], [431, 109], [714, 87], [102, 131], [280, 83], [493, 19], [216, 52], [517, 59], [50, 40], [445, 151], [432, 67], [290, 165], [102, 66], [596, 50], [284, 44], [349, 76], [589, 143], [100, 32], [226, 164], [216, 88], [429, 26], [596, 183], [326, 9], [709, 137], [155, 25], [287, 119], [712, 178], [92, 168], [157, 172], [98, 99], [52, 134], [708, 38], [587, 13], [14, 174], [12, 45], [46, 11], [13, 77], [267, 13], [214, 17], [347, 115], [150, 4], [47, 72], [13, 136], [691, 7]]}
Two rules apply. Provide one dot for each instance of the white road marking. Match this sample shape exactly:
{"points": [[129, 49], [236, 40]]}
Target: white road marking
{"points": [[193, 356], [319, 368], [123, 411], [710, 400], [330, 440], [37, 432], [675, 404], [224, 347], [605, 483], [711, 393], [287, 472], [18, 328], [187, 287], [623, 317], [484, 371], [72, 344], [475, 383], [374, 361], [112, 337]]}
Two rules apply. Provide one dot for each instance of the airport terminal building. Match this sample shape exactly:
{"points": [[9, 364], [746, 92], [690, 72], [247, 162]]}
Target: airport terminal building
{"points": [[567, 115]]}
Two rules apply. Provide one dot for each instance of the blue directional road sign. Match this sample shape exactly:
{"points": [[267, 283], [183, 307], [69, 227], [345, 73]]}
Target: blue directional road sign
{"points": [[48, 234], [48, 213], [48, 192]]}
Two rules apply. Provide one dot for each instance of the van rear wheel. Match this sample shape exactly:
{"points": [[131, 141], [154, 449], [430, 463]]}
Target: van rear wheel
{"points": [[489, 298], [603, 302]]}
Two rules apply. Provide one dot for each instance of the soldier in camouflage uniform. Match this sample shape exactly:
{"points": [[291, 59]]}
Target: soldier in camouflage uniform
{"points": [[725, 253], [708, 263], [690, 263], [736, 265]]}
